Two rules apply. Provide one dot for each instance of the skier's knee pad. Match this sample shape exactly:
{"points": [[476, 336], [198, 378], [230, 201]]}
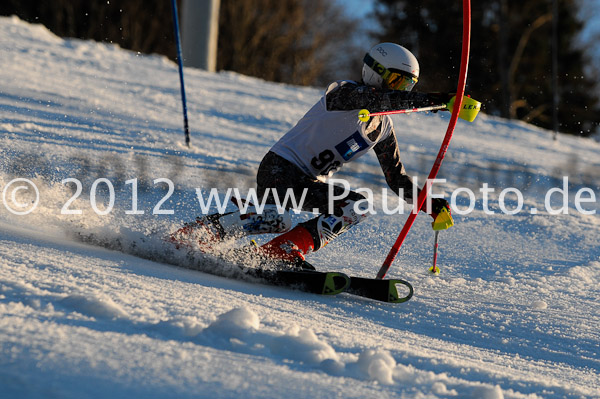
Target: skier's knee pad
{"points": [[327, 227], [270, 220]]}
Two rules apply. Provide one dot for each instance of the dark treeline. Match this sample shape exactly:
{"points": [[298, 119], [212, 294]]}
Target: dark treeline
{"points": [[140, 25], [304, 42], [310, 42], [510, 67]]}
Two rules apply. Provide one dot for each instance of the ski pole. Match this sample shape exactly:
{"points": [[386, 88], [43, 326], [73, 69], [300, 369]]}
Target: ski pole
{"points": [[186, 126], [469, 108], [434, 269], [364, 115]]}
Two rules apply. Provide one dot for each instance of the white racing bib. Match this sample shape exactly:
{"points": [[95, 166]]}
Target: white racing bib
{"points": [[323, 141]]}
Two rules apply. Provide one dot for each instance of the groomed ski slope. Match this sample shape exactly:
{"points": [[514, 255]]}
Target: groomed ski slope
{"points": [[514, 313]]}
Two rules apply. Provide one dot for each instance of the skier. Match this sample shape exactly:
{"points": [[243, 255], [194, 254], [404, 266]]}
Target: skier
{"points": [[327, 137]]}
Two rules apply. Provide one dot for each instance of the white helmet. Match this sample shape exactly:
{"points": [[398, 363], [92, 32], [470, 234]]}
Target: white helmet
{"points": [[390, 65]]}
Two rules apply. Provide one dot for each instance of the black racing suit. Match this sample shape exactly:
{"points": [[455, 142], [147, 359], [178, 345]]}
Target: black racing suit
{"points": [[281, 174]]}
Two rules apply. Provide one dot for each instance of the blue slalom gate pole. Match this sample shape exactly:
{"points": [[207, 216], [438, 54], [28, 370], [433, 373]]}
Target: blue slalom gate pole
{"points": [[180, 62]]}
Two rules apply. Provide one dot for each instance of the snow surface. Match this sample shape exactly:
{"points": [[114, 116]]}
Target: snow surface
{"points": [[514, 313]]}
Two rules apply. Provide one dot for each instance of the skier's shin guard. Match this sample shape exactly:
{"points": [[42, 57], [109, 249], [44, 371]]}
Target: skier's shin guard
{"points": [[325, 228], [210, 229]]}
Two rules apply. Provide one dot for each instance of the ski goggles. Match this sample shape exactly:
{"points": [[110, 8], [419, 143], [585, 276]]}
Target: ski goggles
{"points": [[393, 78]]}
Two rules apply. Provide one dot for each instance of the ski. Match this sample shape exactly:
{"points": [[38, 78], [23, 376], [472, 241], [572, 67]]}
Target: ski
{"points": [[380, 290], [332, 283], [301, 276], [322, 283], [236, 264]]}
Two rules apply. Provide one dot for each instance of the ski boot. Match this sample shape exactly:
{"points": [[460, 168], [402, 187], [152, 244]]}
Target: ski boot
{"points": [[290, 248]]}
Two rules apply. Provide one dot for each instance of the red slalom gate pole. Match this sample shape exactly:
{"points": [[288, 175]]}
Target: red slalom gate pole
{"points": [[460, 91]]}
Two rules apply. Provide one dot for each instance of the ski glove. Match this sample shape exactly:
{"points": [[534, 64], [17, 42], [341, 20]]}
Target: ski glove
{"points": [[437, 204], [440, 98], [440, 212]]}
